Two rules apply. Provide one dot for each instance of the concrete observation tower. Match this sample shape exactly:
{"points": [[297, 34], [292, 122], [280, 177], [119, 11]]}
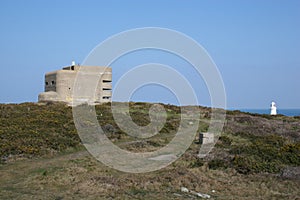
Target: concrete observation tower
{"points": [[59, 84]]}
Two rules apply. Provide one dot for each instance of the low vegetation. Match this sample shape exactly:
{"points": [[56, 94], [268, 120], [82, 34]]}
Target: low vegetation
{"points": [[28, 130], [250, 146]]}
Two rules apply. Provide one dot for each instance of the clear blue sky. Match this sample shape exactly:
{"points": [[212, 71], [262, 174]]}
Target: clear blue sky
{"points": [[255, 44]]}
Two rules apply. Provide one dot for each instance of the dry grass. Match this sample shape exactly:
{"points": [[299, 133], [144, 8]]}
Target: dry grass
{"points": [[48, 162], [78, 176]]}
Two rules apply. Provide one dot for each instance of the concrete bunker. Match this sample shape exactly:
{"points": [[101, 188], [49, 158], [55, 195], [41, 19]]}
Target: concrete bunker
{"points": [[59, 85]]}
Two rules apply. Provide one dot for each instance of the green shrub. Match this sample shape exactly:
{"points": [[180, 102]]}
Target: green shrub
{"points": [[217, 164], [224, 142], [268, 153], [251, 163], [196, 162]]}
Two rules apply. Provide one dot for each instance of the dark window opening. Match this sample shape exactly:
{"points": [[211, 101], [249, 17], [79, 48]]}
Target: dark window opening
{"points": [[72, 67], [105, 97], [46, 83], [106, 81], [106, 88], [52, 82]]}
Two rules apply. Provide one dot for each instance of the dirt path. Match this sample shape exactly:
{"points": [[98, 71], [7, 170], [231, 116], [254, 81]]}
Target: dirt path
{"points": [[77, 175]]}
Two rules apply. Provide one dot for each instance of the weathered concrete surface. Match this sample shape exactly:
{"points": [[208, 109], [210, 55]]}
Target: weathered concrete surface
{"points": [[59, 85]]}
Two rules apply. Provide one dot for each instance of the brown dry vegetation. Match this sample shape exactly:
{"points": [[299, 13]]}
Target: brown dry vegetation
{"points": [[257, 157]]}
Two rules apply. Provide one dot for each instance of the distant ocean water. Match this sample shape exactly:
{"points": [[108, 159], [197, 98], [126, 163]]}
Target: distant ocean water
{"points": [[286, 112]]}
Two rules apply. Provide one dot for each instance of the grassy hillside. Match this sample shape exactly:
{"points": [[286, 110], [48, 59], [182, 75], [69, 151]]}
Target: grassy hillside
{"points": [[29, 129], [250, 143], [253, 149]]}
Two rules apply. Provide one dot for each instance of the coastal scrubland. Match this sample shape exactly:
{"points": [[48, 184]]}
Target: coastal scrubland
{"points": [[42, 157]]}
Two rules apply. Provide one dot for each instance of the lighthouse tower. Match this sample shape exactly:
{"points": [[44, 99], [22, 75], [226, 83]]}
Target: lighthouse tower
{"points": [[273, 108]]}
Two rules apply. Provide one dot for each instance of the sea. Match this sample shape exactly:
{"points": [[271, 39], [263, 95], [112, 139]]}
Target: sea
{"points": [[286, 112]]}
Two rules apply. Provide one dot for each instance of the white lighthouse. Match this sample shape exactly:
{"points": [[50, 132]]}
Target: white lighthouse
{"points": [[273, 108]]}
